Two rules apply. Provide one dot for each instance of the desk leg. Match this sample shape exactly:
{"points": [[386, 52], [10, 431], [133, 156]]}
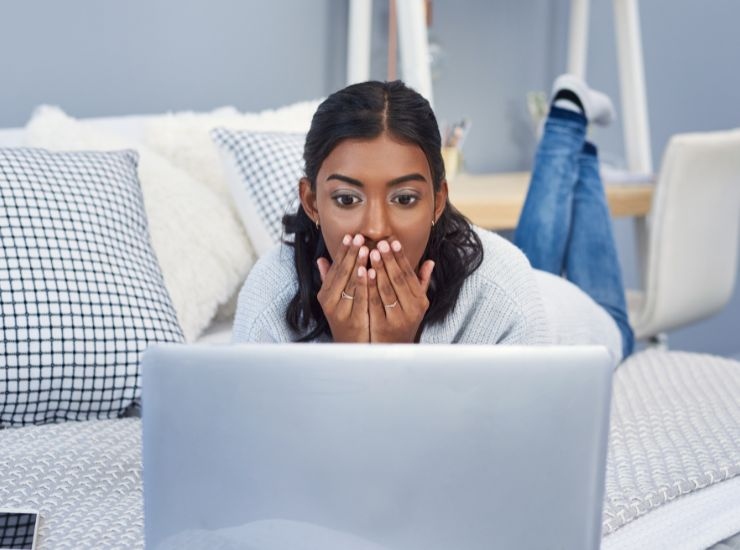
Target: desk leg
{"points": [[641, 247]]}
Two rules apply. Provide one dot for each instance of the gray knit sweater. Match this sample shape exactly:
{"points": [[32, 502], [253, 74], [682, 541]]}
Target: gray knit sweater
{"points": [[504, 301]]}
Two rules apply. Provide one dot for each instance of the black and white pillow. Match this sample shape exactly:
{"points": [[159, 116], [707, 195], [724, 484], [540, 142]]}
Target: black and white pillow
{"points": [[81, 291], [264, 169]]}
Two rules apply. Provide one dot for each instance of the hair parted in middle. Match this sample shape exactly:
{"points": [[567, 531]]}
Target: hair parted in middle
{"points": [[365, 111]]}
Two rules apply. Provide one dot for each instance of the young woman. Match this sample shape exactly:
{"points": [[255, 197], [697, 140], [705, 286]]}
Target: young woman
{"points": [[378, 253]]}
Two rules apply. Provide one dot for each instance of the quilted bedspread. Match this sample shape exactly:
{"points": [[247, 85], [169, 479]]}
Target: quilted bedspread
{"points": [[83, 477], [675, 431]]}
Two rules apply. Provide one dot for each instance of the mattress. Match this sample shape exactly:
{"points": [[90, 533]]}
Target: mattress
{"points": [[672, 470]]}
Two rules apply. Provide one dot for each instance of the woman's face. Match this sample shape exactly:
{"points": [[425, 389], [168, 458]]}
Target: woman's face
{"points": [[380, 188]]}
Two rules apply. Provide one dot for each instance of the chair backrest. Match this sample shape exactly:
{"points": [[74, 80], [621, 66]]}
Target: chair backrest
{"points": [[693, 231]]}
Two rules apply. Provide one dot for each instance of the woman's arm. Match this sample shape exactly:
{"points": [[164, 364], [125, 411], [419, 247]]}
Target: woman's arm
{"points": [[264, 298], [501, 301]]}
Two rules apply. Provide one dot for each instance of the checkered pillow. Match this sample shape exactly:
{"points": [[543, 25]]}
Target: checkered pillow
{"points": [[81, 291], [264, 169]]}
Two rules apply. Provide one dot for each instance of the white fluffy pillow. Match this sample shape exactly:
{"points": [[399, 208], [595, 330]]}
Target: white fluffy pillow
{"points": [[200, 244], [183, 138]]}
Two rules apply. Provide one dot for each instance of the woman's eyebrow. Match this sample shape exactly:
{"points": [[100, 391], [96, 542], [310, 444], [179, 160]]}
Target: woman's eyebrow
{"points": [[395, 181], [345, 179], [408, 177]]}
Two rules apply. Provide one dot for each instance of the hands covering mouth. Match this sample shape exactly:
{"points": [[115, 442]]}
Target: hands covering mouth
{"points": [[373, 294]]}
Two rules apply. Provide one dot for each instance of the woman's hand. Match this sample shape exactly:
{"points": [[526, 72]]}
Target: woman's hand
{"points": [[343, 294], [397, 295]]}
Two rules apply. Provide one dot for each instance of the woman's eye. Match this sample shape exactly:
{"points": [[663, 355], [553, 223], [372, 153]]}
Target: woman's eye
{"points": [[346, 200], [405, 200]]}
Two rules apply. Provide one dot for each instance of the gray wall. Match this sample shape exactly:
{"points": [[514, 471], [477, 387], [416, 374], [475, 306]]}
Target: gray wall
{"points": [[96, 58]]}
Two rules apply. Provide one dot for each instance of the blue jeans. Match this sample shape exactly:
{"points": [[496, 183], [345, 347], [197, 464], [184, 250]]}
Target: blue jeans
{"points": [[565, 227]]}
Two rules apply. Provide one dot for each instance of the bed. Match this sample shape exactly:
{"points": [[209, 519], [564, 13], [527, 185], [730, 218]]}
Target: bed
{"points": [[674, 456], [674, 449]]}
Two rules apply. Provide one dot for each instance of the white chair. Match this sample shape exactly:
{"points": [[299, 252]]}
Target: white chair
{"points": [[691, 235]]}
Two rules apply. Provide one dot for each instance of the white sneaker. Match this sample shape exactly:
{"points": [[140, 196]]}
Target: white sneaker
{"points": [[597, 105]]}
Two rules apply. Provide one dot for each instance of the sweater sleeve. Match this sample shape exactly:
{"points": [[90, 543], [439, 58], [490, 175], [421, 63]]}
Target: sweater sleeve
{"points": [[264, 298], [503, 301]]}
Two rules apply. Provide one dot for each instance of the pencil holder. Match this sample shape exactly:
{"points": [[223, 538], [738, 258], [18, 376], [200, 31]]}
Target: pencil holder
{"points": [[452, 158]]}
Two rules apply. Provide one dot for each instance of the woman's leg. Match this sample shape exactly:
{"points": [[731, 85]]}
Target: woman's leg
{"points": [[544, 226], [591, 260], [565, 225]]}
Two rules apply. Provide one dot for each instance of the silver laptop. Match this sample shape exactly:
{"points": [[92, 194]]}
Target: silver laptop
{"points": [[323, 447]]}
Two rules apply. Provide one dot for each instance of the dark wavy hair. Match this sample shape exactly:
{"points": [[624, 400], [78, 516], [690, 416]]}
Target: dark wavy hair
{"points": [[365, 111]]}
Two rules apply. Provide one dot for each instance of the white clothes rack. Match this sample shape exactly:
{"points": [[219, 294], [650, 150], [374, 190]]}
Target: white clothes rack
{"points": [[414, 51], [631, 75], [413, 44]]}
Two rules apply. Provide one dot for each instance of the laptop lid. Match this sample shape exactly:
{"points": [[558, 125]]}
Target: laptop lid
{"points": [[356, 446]]}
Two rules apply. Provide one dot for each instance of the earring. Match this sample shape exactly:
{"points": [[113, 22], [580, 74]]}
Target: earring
{"points": [[432, 222], [317, 224]]}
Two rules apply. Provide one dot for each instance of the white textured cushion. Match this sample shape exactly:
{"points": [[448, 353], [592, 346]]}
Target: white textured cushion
{"points": [[81, 292], [183, 138], [201, 246], [264, 170]]}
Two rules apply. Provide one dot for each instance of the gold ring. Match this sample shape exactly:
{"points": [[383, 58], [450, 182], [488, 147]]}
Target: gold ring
{"points": [[391, 306], [347, 296]]}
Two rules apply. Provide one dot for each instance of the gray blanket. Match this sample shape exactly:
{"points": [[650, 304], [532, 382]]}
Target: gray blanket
{"points": [[675, 430]]}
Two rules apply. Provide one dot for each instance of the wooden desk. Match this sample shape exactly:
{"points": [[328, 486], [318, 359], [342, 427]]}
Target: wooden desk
{"points": [[494, 201]]}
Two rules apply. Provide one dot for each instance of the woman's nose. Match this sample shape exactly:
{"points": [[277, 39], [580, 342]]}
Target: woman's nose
{"points": [[376, 225]]}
